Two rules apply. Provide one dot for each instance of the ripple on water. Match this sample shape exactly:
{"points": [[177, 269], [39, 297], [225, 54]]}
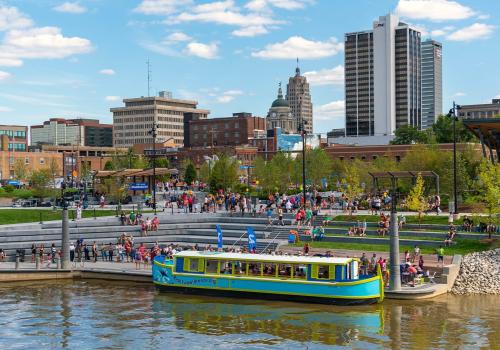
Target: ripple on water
{"points": [[104, 315]]}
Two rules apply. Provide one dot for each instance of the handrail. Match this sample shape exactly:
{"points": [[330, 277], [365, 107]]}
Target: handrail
{"points": [[244, 233], [276, 236]]}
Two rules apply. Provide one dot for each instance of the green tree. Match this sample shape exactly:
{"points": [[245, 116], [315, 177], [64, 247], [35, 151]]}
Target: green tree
{"points": [[443, 130], [161, 162], [318, 166], [204, 173], [489, 177], [40, 183], [351, 181], [224, 174], [416, 200], [190, 173], [21, 171], [407, 134], [114, 189]]}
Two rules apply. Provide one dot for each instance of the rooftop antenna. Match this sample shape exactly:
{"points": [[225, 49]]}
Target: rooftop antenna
{"points": [[149, 76]]}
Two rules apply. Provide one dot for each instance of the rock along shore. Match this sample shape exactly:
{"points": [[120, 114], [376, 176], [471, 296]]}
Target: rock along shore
{"points": [[479, 274]]}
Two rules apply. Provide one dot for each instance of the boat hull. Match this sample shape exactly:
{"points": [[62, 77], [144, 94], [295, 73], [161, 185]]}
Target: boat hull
{"points": [[265, 296]]}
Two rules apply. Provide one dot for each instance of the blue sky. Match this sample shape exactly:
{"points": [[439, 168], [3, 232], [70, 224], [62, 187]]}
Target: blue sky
{"points": [[79, 58]]}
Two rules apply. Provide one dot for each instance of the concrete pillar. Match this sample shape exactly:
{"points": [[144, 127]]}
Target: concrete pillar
{"points": [[58, 263], [65, 240], [17, 261], [395, 283], [37, 262]]}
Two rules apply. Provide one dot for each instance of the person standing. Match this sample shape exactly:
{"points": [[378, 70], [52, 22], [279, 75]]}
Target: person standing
{"points": [[94, 251], [280, 217], [78, 212], [110, 252], [33, 252], [440, 254], [71, 252], [101, 201]]}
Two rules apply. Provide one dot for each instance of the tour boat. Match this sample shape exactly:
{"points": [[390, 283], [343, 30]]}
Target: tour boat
{"points": [[330, 280]]}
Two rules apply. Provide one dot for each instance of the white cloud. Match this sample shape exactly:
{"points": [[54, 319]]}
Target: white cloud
{"points": [[178, 36], [497, 96], [263, 5], [227, 17], [70, 7], [107, 71], [12, 18], [24, 41], [208, 51], [228, 96], [5, 109], [329, 111], [434, 10], [112, 98], [4, 75], [443, 31], [297, 46], [215, 6], [329, 76], [459, 94], [160, 7], [472, 32], [250, 31]]}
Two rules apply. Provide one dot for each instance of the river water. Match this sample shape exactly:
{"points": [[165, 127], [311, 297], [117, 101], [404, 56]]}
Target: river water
{"points": [[110, 315]]}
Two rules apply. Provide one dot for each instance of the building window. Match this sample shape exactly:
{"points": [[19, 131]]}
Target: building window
{"points": [[42, 161], [26, 160]]}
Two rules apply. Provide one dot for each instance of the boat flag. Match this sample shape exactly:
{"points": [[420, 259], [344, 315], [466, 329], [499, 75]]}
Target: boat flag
{"points": [[252, 241], [219, 236]]}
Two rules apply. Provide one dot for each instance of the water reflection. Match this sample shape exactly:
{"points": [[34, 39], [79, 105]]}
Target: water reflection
{"points": [[103, 315]]}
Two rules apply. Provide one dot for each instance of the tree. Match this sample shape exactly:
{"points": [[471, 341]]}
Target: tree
{"points": [[416, 200], [160, 162], [20, 169], [114, 189], [489, 177], [443, 130], [351, 181], [108, 165], [190, 174], [407, 134], [318, 166], [40, 183], [224, 174]]}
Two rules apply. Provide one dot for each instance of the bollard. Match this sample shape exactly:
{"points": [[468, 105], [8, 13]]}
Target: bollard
{"points": [[17, 261], [94, 215], [37, 262], [41, 222], [58, 262], [172, 205], [73, 215]]}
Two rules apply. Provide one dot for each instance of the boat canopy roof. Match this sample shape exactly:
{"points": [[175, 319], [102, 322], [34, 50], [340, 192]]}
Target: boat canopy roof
{"points": [[285, 259]]}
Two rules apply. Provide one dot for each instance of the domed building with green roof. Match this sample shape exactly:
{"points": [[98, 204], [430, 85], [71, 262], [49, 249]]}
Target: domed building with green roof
{"points": [[280, 115]]}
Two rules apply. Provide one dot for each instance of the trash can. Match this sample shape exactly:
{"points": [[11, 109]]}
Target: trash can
{"points": [[20, 253]]}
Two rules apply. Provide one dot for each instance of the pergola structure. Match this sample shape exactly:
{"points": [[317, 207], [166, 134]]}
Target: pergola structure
{"points": [[135, 174], [395, 175], [487, 130]]}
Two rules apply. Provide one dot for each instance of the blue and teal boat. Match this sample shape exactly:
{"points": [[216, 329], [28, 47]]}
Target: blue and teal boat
{"points": [[295, 278]]}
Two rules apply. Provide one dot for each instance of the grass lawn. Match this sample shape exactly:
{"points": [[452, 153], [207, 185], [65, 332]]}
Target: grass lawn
{"points": [[463, 246], [426, 219], [422, 237], [18, 216]]}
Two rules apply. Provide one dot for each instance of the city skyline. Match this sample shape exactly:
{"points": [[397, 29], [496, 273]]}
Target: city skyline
{"points": [[78, 59]]}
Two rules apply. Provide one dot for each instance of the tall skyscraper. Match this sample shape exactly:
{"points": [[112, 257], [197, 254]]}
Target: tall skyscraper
{"points": [[132, 123], [299, 99], [432, 82], [382, 78]]}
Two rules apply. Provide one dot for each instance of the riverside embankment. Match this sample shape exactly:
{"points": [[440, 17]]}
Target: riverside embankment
{"points": [[479, 274]]}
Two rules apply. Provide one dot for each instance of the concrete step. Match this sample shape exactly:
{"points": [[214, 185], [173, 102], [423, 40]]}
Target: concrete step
{"points": [[370, 240]]}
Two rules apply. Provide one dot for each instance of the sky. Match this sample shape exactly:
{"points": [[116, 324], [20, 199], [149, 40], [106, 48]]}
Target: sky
{"points": [[77, 59]]}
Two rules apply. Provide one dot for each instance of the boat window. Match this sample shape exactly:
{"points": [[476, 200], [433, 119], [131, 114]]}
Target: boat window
{"points": [[254, 269], [320, 271], [226, 267], [269, 269], [299, 271], [193, 265], [212, 266], [240, 268], [284, 271]]}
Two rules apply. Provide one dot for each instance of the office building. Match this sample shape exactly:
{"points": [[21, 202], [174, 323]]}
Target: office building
{"points": [[232, 131], [299, 100], [76, 132], [432, 82], [485, 110], [14, 137], [133, 122], [382, 78]]}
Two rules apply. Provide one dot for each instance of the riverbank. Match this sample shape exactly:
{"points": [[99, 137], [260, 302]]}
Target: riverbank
{"points": [[479, 274]]}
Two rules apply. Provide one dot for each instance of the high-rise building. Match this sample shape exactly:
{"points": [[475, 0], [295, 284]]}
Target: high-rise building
{"points": [[432, 82], [77, 132], [133, 122], [382, 78], [299, 99]]}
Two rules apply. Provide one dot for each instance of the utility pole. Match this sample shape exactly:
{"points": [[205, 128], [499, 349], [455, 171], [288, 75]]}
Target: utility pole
{"points": [[303, 133], [453, 114], [65, 263], [395, 283]]}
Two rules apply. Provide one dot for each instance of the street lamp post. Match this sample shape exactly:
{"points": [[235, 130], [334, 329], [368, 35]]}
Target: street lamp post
{"points": [[303, 133], [453, 114], [153, 133], [65, 263]]}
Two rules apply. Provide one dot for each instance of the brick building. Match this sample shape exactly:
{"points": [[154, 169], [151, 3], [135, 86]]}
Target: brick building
{"points": [[231, 131], [14, 137]]}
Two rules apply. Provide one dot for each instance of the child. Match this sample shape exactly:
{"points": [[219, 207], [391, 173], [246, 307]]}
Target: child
{"points": [[138, 259]]}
